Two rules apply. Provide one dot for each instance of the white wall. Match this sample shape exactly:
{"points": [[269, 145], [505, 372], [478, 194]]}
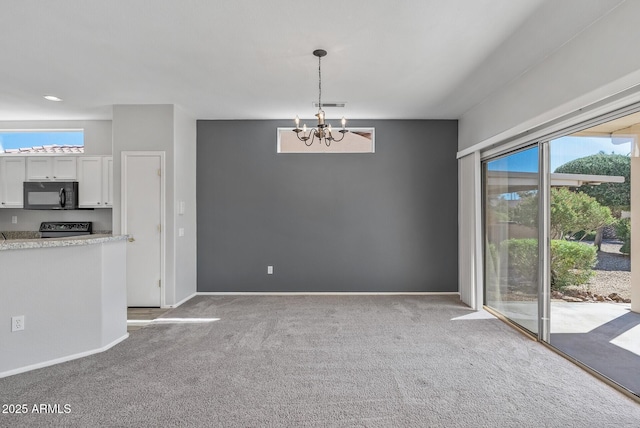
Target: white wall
{"points": [[163, 128], [185, 191], [597, 63], [146, 128], [141, 128], [68, 313]]}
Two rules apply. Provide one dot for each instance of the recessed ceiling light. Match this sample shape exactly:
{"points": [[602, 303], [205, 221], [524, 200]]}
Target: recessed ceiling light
{"points": [[52, 98]]}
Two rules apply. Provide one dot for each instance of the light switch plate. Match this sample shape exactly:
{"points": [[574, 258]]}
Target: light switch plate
{"points": [[269, 270]]}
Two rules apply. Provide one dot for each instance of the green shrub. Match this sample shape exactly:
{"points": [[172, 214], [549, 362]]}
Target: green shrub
{"points": [[626, 247], [571, 263], [584, 236], [522, 259], [492, 264], [623, 232]]}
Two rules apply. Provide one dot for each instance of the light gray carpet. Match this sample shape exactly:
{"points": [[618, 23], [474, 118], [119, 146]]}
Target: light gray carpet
{"points": [[371, 361]]}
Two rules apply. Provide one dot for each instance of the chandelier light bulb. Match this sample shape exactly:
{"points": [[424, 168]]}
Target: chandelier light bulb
{"points": [[304, 128], [344, 122], [298, 121]]}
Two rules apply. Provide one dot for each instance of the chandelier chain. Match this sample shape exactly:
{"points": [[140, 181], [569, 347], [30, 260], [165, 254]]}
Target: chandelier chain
{"points": [[319, 83]]}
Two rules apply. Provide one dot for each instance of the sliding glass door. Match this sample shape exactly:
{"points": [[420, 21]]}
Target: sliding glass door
{"points": [[557, 244], [511, 251]]}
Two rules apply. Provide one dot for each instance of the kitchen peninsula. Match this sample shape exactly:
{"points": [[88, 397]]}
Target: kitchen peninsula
{"points": [[72, 294]]}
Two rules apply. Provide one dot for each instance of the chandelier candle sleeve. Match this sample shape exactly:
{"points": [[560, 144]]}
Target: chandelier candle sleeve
{"points": [[322, 131]]}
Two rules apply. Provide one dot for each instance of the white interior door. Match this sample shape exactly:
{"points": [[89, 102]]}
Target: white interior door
{"points": [[142, 191]]}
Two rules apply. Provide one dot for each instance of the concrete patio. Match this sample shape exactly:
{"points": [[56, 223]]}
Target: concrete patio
{"points": [[603, 336]]}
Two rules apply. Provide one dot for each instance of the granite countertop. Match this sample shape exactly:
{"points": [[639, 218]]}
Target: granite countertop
{"points": [[21, 244], [30, 234]]}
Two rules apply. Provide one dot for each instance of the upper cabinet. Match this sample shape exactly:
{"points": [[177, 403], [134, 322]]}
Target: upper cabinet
{"points": [[12, 174], [95, 178], [43, 168], [93, 173]]}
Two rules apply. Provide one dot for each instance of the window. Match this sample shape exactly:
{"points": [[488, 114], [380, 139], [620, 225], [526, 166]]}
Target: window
{"points": [[357, 140], [41, 141]]}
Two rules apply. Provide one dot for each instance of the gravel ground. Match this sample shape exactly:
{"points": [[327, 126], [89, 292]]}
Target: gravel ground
{"points": [[613, 272]]}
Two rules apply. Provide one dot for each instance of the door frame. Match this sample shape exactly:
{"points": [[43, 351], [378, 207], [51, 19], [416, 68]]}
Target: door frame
{"points": [[124, 156], [544, 241]]}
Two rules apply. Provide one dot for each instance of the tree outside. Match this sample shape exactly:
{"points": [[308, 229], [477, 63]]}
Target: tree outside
{"points": [[616, 196]]}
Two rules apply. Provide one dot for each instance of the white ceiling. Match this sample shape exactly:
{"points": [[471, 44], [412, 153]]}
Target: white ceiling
{"points": [[242, 59]]}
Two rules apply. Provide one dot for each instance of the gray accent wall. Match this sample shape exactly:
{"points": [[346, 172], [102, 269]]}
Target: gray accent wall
{"points": [[380, 222]]}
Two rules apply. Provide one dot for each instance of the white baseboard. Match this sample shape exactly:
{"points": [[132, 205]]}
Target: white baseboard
{"points": [[181, 301], [321, 293], [138, 323], [62, 359]]}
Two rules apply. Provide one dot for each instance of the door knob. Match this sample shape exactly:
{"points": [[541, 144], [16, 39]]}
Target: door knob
{"points": [[131, 239]]}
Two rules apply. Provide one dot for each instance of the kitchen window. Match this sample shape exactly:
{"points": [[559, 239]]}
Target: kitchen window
{"points": [[42, 141]]}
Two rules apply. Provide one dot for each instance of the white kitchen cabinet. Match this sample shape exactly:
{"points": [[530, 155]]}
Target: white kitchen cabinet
{"points": [[95, 181], [12, 175], [39, 168], [43, 168], [64, 168], [90, 182]]}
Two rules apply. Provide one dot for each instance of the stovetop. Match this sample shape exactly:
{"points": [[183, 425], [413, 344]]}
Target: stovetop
{"points": [[55, 229]]}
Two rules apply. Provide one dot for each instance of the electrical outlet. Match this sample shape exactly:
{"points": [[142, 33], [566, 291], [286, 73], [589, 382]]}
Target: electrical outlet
{"points": [[14, 219], [269, 270], [17, 323], [181, 231]]}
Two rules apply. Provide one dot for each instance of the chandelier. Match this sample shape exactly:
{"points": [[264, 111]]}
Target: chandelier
{"points": [[322, 131]]}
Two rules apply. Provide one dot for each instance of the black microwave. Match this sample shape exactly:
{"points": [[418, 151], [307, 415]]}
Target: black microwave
{"points": [[50, 195]]}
